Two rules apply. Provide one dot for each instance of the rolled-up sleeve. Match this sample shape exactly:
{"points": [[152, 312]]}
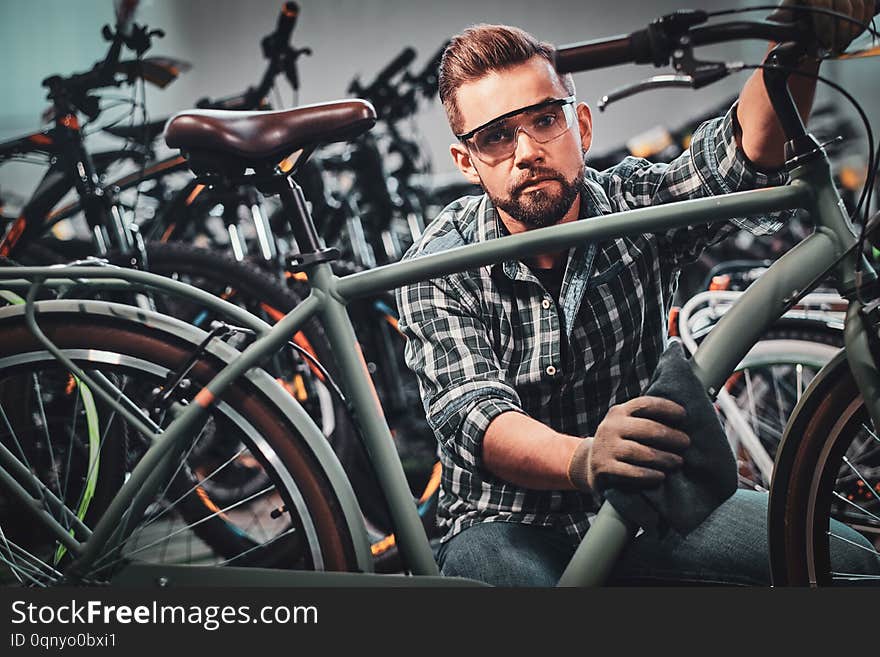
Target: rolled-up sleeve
{"points": [[462, 384], [713, 164]]}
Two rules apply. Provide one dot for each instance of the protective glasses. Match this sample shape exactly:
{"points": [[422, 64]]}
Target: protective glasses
{"points": [[495, 141]]}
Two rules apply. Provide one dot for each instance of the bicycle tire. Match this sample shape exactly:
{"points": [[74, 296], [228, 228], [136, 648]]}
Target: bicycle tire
{"points": [[320, 535], [806, 515]]}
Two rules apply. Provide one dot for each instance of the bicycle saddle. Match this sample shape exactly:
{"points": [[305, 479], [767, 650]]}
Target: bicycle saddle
{"points": [[267, 137]]}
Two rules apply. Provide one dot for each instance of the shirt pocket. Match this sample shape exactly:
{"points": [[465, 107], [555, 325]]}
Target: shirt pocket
{"points": [[606, 274], [613, 308]]}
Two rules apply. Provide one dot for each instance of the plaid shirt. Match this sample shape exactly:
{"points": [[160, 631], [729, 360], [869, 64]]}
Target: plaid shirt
{"points": [[492, 340]]}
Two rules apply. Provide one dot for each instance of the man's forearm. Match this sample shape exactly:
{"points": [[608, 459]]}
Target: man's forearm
{"points": [[528, 453], [762, 139]]}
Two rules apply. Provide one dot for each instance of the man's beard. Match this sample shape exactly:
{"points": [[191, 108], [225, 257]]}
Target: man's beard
{"points": [[544, 206]]}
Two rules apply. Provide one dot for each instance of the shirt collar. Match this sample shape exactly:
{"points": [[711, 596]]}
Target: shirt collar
{"points": [[489, 225]]}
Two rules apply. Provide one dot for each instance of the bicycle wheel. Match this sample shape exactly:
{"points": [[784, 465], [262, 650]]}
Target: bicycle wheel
{"points": [[825, 499], [759, 397], [263, 295], [294, 521]]}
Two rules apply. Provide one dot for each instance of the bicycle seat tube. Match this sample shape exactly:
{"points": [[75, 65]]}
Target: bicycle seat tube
{"points": [[314, 259]]}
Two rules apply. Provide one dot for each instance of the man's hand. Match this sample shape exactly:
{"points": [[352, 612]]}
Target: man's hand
{"points": [[634, 447], [834, 34]]}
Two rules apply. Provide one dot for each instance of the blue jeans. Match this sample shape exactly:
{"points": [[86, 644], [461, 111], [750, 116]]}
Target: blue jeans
{"points": [[728, 548]]}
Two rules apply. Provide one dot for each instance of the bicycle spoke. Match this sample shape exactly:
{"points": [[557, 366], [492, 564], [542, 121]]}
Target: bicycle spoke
{"points": [[101, 442], [750, 397], [854, 577], [70, 442], [851, 503], [14, 436], [36, 566], [750, 483], [178, 531], [170, 480], [183, 460], [864, 481], [26, 462], [854, 544], [866, 453], [258, 547], [173, 504], [9, 549], [871, 433], [778, 395], [24, 572], [45, 421]]}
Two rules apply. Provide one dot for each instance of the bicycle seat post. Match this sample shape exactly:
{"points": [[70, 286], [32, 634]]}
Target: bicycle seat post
{"points": [[302, 225]]}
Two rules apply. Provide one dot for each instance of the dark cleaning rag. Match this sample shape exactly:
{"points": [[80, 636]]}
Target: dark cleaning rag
{"points": [[708, 475]]}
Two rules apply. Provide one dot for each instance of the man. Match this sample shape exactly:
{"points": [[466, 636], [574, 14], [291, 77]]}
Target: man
{"points": [[531, 372]]}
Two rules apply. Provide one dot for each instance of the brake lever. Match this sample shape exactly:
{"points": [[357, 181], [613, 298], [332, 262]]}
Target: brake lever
{"points": [[655, 82], [700, 77]]}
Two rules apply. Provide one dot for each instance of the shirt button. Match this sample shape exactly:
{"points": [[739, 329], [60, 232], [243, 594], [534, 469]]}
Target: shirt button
{"points": [[545, 304], [551, 370]]}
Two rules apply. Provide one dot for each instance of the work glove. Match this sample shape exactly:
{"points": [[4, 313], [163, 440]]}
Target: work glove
{"points": [[833, 34], [635, 446]]}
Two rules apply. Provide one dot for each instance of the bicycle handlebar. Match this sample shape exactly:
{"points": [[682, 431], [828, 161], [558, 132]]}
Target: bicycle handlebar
{"points": [[286, 23], [404, 59], [654, 44], [103, 73], [282, 59]]}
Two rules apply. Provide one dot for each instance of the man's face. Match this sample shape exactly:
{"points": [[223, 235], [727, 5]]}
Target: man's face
{"points": [[539, 182]]}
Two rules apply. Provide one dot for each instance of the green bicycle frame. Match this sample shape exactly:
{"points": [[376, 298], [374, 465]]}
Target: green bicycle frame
{"points": [[811, 188]]}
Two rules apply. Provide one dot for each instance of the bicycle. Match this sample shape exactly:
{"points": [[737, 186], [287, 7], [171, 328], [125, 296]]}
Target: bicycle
{"points": [[316, 497], [241, 282], [179, 211], [760, 395]]}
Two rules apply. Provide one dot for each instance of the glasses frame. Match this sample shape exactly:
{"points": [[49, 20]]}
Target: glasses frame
{"points": [[562, 102]]}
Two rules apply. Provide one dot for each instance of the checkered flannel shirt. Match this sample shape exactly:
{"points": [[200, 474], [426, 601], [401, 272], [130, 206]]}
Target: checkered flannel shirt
{"points": [[491, 340]]}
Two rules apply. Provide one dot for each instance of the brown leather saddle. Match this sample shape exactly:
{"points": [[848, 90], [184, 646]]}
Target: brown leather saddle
{"points": [[223, 139]]}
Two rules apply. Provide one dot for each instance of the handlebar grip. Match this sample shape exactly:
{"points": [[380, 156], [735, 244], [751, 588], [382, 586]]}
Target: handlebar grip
{"points": [[286, 23], [399, 63], [599, 53]]}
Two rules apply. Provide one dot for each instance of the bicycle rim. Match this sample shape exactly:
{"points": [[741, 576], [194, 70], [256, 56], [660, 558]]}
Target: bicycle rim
{"points": [[825, 506], [845, 487], [289, 523]]}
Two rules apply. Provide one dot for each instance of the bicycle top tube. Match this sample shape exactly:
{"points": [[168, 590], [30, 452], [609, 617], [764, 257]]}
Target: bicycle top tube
{"points": [[651, 219]]}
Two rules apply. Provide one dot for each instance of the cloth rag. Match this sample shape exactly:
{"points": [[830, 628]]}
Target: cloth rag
{"points": [[708, 475]]}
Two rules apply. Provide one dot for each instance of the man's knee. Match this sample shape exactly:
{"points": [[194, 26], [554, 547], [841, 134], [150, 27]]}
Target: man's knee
{"points": [[505, 554], [851, 552]]}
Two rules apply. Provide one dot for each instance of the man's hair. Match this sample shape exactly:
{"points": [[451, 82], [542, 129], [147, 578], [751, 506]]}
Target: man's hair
{"points": [[481, 49]]}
